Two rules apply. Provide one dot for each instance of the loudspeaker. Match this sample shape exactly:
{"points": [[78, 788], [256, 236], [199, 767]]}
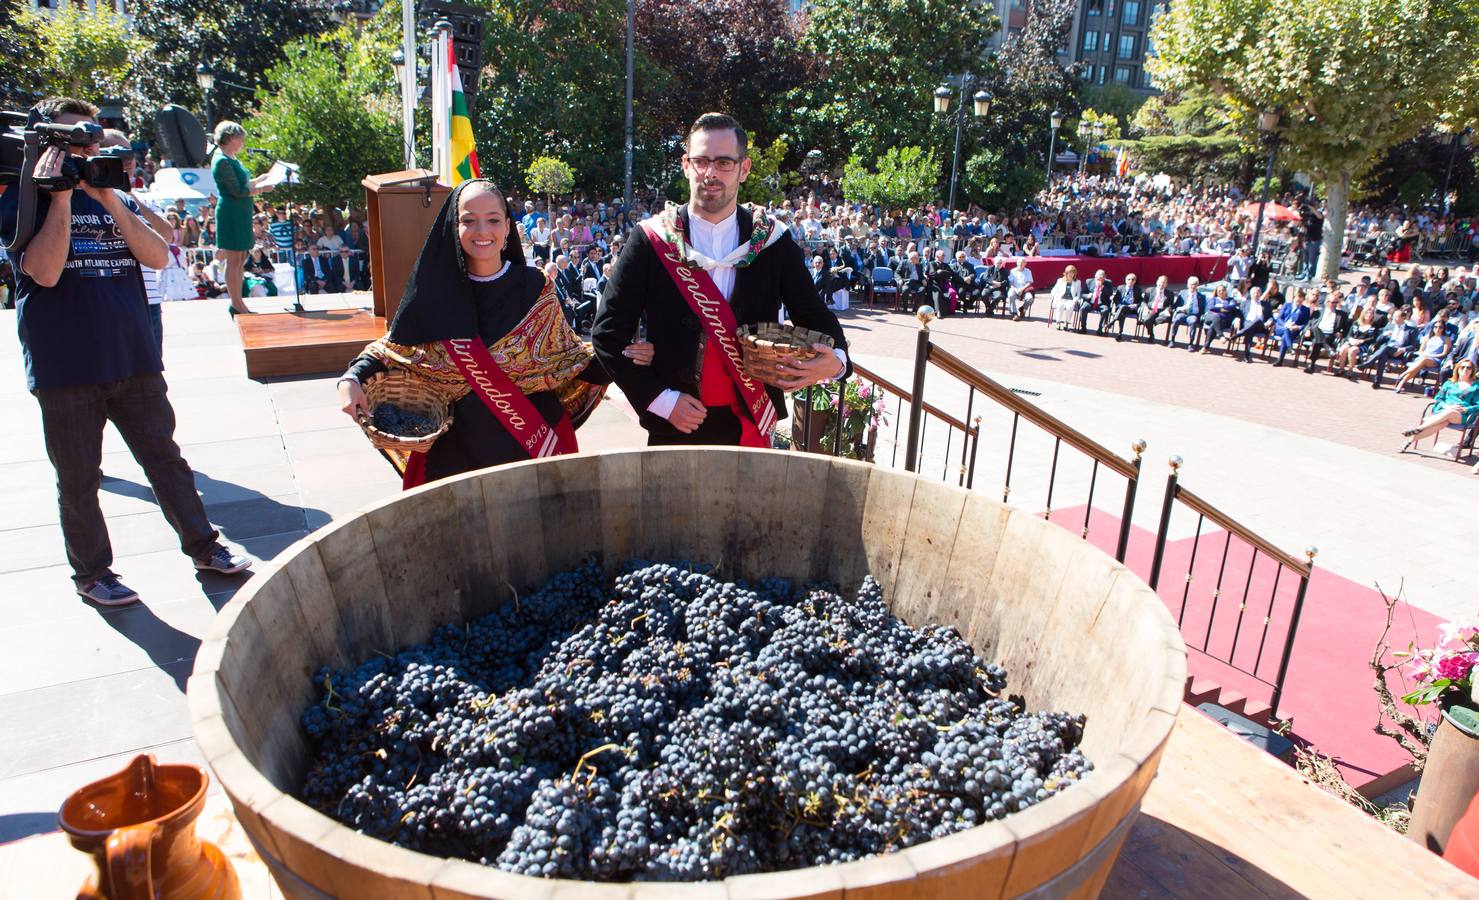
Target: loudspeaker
{"points": [[183, 137]]}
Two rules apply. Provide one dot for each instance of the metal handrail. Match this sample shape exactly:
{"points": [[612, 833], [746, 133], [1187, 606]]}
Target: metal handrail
{"points": [[1002, 394], [1237, 529], [869, 376]]}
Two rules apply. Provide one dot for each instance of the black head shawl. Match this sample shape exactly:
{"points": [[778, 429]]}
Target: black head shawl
{"points": [[437, 304]]}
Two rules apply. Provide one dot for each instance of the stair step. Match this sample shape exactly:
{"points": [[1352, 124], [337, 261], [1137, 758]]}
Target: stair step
{"points": [[1201, 690]]}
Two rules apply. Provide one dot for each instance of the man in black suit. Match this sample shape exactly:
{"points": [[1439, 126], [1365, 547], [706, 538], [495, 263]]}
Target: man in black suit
{"points": [[974, 290], [1127, 300], [1327, 328], [993, 285], [591, 268], [348, 266], [941, 278], [689, 395], [909, 272], [567, 278], [1095, 299], [313, 272]]}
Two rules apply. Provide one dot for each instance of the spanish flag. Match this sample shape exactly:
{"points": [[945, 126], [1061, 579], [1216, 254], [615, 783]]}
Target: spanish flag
{"points": [[464, 157]]}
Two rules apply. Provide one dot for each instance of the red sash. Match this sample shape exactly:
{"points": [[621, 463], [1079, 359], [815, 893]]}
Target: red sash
{"points": [[720, 325], [505, 401]]}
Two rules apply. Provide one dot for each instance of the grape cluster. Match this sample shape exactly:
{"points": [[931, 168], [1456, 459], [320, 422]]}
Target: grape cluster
{"points": [[673, 726], [391, 419]]}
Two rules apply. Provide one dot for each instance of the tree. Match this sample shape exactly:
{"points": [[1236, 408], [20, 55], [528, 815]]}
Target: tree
{"points": [[994, 182], [240, 40], [728, 56], [554, 87], [329, 106], [766, 184], [879, 64], [1115, 100], [905, 177], [549, 176], [1350, 77], [20, 47], [84, 54]]}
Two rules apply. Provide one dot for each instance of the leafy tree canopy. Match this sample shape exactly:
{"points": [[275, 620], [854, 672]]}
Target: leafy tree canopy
{"points": [[905, 177], [329, 107], [1350, 78]]}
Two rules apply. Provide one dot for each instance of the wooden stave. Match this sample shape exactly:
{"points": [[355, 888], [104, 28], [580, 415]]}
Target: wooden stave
{"points": [[299, 839]]}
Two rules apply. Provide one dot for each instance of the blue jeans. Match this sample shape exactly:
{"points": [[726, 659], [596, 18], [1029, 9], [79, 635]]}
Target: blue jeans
{"points": [[156, 321]]}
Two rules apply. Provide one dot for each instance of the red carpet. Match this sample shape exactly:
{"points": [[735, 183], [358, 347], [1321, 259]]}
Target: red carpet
{"points": [[1328, 691]]}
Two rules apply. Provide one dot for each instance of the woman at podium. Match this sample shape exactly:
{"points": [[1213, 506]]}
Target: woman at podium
{"points": [[488, 329]]}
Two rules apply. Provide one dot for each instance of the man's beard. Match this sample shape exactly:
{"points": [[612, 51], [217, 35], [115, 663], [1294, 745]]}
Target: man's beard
{"points": [[716, 203]]}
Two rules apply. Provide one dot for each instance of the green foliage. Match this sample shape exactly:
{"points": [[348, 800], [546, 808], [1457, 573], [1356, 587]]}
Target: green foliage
{"points": [[1351, 77], [20, 46], [548, 176], [1214, 157], [330, 107], [1418, 187], [239, 39], [905, 177], [83, 54], [766, 184], [554, 86], [1114, 100], [994, 182], [880, 63], [1111, 123]]}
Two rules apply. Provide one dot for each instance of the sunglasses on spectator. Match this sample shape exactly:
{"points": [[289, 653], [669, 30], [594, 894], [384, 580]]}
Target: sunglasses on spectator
{"points": [[724, 164]]}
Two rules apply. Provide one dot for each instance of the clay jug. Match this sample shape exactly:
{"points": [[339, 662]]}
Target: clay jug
{"points": [[139, 827]]}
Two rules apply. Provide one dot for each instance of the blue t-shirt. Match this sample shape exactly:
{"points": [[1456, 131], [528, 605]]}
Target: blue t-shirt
{"points": [[93, 326]]}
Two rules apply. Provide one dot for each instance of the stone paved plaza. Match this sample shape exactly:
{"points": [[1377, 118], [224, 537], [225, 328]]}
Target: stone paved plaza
{"points": [[1304, 459]]}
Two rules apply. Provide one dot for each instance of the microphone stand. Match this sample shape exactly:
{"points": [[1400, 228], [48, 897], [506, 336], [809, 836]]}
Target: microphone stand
{"points": [[292, 230]]}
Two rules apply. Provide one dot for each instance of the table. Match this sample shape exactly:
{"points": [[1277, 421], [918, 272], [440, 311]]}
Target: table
{"points": [[1048, 269], [1221, 820]]}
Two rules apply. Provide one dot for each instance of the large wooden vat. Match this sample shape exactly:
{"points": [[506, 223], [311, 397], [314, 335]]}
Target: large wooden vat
{"points": [[1076, 631]]}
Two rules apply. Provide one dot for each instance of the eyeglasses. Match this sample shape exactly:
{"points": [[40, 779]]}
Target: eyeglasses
{"points": [[721, 164]]}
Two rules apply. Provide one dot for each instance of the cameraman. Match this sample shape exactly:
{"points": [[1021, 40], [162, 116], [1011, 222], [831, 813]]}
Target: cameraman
{"points": [[91, 357]]}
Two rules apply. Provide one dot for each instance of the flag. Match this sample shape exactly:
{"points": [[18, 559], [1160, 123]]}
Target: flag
{"points": [[464, 157], [1122, 166]]}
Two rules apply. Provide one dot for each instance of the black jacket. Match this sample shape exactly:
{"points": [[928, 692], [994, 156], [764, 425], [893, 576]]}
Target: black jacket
{"points": [[1125, 295], [641, 287]]}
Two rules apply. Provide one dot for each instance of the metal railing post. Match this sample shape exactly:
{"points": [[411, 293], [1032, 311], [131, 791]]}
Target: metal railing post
{"points": [[1165, 526], [916, 402], [1273, 702], [841, 412], [1130, 488]]}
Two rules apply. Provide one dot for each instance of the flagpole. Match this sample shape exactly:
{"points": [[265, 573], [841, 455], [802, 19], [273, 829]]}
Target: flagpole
{"points": [[409, 91], [444, 35]]}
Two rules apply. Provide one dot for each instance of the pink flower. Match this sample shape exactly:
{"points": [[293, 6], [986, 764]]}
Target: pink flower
{"points": [[1456, 632], [865, 391], [1455, 666]]}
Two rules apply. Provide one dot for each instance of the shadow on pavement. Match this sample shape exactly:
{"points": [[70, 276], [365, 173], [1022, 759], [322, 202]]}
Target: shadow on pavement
{"points": [[15, 826]]}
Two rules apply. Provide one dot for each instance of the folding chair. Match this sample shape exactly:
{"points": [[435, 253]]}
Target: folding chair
{"points": [[884, 283]]}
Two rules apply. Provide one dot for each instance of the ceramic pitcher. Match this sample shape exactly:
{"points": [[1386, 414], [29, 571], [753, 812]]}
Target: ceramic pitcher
{"points": [[139, 827]]}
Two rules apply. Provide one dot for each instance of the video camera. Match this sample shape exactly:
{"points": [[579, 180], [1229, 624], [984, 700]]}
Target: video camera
{"points": [[25, 138]]}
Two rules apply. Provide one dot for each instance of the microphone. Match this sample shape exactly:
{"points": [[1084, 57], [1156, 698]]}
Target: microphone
{"points": [[259, 151]]}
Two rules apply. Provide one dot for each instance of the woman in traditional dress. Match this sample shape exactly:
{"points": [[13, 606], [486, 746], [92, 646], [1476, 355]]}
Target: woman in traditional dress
{"points": [[473, 307]]}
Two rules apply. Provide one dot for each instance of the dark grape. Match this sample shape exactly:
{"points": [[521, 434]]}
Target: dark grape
{"points": [[669, 725], [391, 419]]}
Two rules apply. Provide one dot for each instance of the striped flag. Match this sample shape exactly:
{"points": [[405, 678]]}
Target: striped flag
{"points": [[464, 157], [1122, 166]]}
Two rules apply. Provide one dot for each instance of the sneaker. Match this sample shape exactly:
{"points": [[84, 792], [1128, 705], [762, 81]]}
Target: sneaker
{"points": [[223, 561], [108, 591]]}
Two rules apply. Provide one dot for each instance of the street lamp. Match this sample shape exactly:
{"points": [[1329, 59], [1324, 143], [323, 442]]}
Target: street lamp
{"points": [[982, 101], [398, 63], [1268, 125], [1085, 131], [207, 80], [1460, 139], [1055, 121]]}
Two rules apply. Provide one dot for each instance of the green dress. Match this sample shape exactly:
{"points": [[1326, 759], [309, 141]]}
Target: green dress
{"points": [[234, 208], [1456, 395]]}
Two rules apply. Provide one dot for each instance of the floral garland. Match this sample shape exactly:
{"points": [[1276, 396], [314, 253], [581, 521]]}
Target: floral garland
{"points": [[767, 231]]}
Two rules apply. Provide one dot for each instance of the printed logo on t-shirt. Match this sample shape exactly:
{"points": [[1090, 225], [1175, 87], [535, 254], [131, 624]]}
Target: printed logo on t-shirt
{"points": [[98, 247]]}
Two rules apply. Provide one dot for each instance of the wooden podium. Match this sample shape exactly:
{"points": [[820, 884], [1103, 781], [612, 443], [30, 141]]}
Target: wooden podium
{"points": [[402, 207]]}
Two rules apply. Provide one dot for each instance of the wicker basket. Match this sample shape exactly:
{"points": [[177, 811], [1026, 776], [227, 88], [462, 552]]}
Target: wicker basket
{"points": [[412, 394], [766, 345]]}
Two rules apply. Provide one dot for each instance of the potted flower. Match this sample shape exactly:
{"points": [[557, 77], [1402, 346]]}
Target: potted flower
{"points": [[862, 412], [1444, 676]]}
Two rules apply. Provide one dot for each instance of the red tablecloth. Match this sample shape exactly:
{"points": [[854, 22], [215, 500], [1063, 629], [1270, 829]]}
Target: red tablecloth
{"points": [[1048, 269]]}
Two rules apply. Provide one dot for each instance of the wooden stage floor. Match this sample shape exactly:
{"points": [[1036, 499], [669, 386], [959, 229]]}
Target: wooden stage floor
{"points": [[319, 340]]}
